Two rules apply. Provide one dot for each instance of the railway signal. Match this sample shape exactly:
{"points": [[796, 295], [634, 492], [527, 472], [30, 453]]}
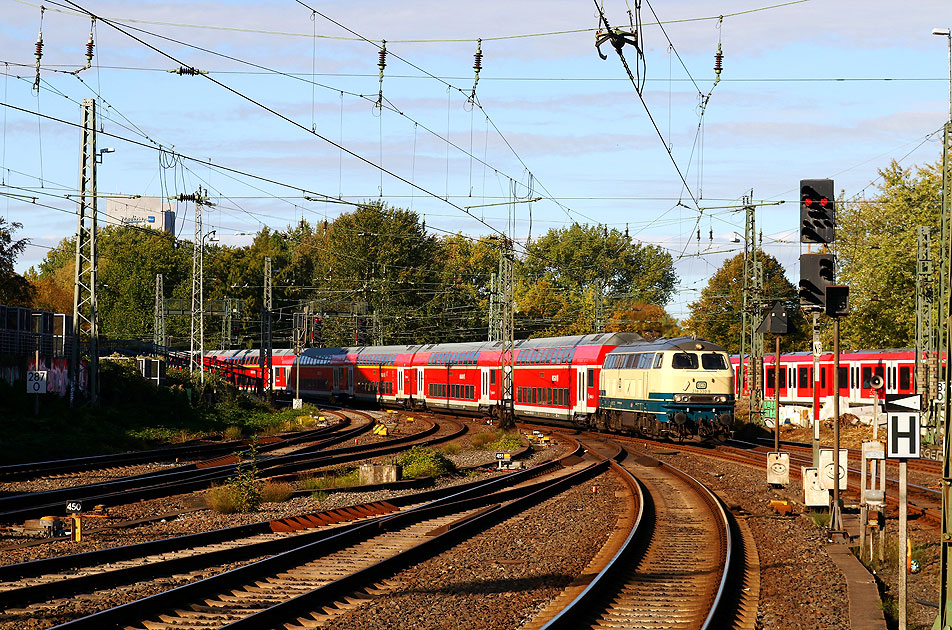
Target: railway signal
{"points": [[817, 211], [816, 274]]}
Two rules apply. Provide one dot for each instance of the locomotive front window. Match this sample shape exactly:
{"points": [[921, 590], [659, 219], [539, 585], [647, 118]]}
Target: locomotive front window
{"points": [[713, 361], [684, 361]]}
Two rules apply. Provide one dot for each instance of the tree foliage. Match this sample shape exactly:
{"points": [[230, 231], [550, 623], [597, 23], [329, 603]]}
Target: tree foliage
{"points": [[718, 314], [876, 255], [375, 259], [14, 288]]}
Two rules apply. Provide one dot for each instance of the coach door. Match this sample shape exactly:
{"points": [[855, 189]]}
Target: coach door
{"points": [[580, 389], [400, 381], [419, 383], [484, 391]]}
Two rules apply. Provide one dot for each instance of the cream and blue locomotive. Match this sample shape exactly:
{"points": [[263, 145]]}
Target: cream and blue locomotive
{"points": [[674, 388]]}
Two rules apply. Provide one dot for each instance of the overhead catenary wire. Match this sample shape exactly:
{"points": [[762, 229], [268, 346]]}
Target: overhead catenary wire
{"points": [[219, 27]]}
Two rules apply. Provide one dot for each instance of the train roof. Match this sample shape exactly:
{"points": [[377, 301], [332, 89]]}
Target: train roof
{"points": [[613, 339], [673, 343]]}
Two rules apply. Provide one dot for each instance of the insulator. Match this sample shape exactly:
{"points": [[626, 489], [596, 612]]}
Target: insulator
{"points": [[39, 47], [699, 236], [478, 65], [382, 63], [718, 60], [89, 48]]}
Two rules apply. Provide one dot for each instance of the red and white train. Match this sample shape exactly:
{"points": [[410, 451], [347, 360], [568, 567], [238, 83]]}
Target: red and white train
{"points": [[796, 376], [680, 387]]}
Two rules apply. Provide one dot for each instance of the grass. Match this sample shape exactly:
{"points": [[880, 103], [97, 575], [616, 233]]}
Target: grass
{"points": [[345, 478], [819, 518], [133, 414], [451, 449], [497, 441], [276, 492]]}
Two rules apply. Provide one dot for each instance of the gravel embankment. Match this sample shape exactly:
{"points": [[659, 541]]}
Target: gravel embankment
{"points": [[502, 577]]}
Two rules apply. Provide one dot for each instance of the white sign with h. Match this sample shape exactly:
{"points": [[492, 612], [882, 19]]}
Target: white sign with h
{"points": [[902, 432]]}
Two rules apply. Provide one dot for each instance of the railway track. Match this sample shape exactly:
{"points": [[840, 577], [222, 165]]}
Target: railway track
{"points": [[331, 569], [191, 451], [676, 558], [191, 478]]}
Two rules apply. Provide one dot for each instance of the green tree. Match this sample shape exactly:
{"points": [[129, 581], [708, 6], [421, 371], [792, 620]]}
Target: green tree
{"points": [[876, 255], [718, 314], [129, 259], [584, 257], [15, 290]]}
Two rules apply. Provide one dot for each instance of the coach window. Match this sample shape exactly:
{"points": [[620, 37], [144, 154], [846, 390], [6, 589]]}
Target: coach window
{"points": [[844, 377], [684, 361], [591, 377], [783, 378], [805, 376], [770, 378], [905, 382]]}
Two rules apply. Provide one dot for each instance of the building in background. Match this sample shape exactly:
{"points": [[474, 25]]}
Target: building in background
{"points": [[151, 212]]}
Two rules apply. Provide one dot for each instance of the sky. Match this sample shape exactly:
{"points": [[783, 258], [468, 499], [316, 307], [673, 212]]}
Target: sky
{"points": [[292, 120]]}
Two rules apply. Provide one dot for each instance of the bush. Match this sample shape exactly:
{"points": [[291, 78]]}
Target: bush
{"points": [[222, 500], [498, 441], [480, 440], [276, 492], [420, 461], [233, 433], [244, 486]]}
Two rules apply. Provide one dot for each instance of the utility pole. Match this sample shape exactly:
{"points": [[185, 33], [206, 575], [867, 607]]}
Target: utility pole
{"points": [[599, 308], [494, 307], [197, 332], [225, 323], [751, 341], [158, 331], [85, 305], [925, 326], [507, 332], [945, 306], [300, 335], [266, 328]]}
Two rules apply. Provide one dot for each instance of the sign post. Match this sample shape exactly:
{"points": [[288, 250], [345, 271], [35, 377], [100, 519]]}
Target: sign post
{"points": [[902, 443], [776, 324], [36, 384]]}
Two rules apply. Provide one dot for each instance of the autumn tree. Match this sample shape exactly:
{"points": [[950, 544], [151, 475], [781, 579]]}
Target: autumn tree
{"points": [[718, 314], [580, 270], [14, 288], [648, 320], [876, 255]]}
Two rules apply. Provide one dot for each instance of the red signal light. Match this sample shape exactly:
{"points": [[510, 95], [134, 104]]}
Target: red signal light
{"points": [[824, 201], [808, 202]]}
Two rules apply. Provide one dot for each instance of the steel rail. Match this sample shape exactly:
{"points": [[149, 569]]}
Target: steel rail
{"points": [[470, 498], [179, 482], [192, 541], [200, 449]]}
